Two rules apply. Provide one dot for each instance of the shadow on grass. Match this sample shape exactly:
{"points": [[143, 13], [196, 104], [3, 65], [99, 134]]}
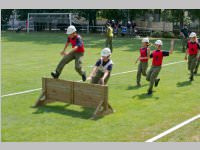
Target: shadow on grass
{"points": [[135, 87], [184, 83], [145, 96], [86, 113], [198, 74]]}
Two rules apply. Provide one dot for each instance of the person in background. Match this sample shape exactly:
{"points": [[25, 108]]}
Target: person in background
{"points": [[184, 37], [109, 36], [144, 57]]}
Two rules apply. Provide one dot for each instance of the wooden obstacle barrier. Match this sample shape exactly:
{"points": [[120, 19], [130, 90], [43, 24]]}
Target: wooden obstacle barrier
{"points": [[83, 94]]}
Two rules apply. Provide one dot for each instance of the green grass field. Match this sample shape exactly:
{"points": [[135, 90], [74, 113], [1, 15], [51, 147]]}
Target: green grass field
{"points": [[185, 134], [26, 58]]}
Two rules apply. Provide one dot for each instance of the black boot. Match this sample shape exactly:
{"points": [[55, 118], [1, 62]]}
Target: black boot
{"points": [[138, 84], [150, 92], [55, 74], [84, 76], [156, 82], [191, 78]]}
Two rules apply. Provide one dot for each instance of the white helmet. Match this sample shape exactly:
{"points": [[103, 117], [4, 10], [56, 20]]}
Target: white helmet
{"points": [[106, 52], [159, 42], [145, 40], [193, 34], [71, 29]]}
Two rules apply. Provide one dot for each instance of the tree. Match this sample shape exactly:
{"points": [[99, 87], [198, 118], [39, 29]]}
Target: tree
{"points": [[111, 14], [133, 13], [89, 14], [194, 13], [5, 15], [178, 15]]}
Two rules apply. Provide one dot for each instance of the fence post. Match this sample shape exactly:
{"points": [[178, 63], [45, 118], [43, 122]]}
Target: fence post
{"points": [[88, 29], [28, 24]]}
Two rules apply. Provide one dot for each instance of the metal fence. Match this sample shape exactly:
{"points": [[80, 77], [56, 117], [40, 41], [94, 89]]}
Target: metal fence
{"points": [[122, 31], [141, 31]]}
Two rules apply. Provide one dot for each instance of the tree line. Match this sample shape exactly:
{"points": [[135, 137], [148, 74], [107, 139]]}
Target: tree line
{"points": [[171, 15]]}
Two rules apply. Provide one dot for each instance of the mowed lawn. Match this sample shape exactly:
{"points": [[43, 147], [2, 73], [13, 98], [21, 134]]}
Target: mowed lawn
{"points": [[185, 133], [26, 58]]}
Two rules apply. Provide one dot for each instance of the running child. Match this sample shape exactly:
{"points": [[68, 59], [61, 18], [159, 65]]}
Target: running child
{"points": [[192, 54], [144, 57], [157, 56]]}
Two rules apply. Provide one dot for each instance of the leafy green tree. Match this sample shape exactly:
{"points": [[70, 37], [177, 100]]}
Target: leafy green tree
{"points": [[5, 15], [110, 14], [89, 14]]}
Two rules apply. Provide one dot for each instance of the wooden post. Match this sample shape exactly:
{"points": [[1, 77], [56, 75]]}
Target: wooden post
{"points": [[107, 109], [42, 98], [97, 110]]}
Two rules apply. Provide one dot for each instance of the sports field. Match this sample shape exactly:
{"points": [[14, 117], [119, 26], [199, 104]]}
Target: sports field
{"points": [[26, 58]]}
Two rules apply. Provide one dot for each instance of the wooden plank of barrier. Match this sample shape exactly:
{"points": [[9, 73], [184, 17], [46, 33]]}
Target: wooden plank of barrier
{"points": [[59, 90], [105, 106], [55, 90], [42, 98], [88, 95]]}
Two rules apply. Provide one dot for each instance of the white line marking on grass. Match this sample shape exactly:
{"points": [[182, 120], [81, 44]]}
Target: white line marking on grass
{"points": [[174, 63], [23, 92], [123, 72], [173, 129], [33, 90], [136, 69]]}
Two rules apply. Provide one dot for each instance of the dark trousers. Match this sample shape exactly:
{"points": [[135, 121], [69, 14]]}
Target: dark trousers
{"points": [[142, 69], [192, 60], [109, 43], [152, 75], [68, 58], [98, 76]]}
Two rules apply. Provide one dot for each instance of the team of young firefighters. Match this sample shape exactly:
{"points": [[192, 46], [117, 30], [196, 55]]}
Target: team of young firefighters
{"points": [[103, 67]]}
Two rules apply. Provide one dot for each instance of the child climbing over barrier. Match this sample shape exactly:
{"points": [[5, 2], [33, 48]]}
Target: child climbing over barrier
{"points": [[76, 54], [102, 69]]}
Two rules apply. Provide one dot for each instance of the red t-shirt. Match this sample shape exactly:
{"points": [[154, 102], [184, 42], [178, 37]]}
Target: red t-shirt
{"points": [[143, 53], [77, 41], [157, 56], [192, 48]]}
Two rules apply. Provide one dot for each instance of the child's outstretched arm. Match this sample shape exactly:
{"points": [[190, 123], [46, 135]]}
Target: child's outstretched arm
{"points": [[63, 51], [92, 73], [137, 60], [104, 77]]}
